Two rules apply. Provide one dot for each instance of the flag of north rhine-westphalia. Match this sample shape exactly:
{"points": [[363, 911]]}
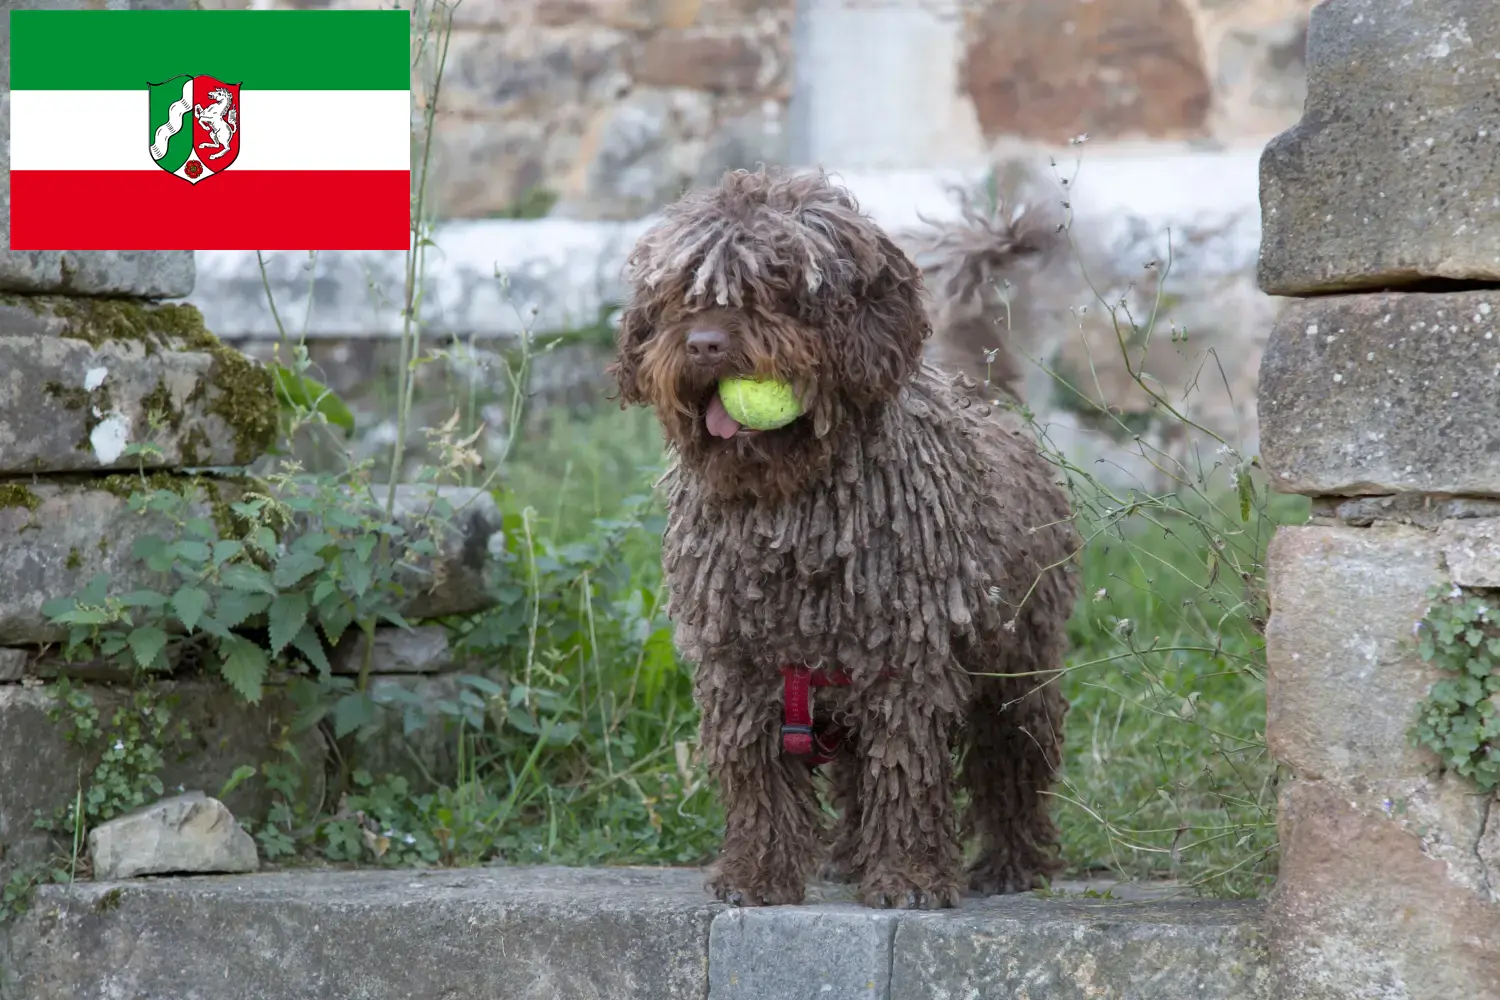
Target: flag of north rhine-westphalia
{"points": [[210, 130]]}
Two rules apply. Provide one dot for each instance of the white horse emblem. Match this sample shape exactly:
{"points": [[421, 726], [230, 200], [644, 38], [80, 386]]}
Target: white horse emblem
{"points": [[219, 120]]}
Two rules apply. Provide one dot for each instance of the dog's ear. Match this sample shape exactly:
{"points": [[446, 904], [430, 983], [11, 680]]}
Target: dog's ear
{"points": [[881, 344], [630, 340]]}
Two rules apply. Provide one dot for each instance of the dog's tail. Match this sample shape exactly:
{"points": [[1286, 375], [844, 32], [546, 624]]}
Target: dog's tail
{"points": [[969, 263]]}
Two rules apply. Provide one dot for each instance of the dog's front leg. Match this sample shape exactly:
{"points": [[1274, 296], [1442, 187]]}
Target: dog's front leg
{"points": [[772, 826], [908, 854]]}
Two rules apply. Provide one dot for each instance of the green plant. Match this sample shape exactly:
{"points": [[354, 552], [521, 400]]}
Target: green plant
{"points": [[1459, 720], [128, 745]]}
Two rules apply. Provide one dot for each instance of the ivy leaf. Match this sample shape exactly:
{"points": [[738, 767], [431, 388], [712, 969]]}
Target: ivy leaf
{"points": [[226, 549], [244, 667], [294, 567], [295, 391], [143, 599], [191, 551], [234, 607], [351, 712], [246, 578], [146, 643], [189, 603], [202, 527], [306, 642], [288, 614]]}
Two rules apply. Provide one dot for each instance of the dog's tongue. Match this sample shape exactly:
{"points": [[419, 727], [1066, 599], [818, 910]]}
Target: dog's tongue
{"points": [[720, 423]]}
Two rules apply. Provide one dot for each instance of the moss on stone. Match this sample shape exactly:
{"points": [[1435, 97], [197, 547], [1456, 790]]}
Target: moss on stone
{"points": [[159, 400], [244, 396], [75, 558], [195, 446], [245, 399], [17, 495], [124, 485], [155, 327]]}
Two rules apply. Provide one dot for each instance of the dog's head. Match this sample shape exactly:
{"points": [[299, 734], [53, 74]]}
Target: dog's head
{"points": [[772, 274]]}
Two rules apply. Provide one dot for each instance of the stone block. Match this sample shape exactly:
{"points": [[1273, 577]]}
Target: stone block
{"points": [[13, 664], [467, 526], [39, 768], [1362, 910], [1422, 510], [146, 274], [1027, 947], [1343, 678], [187, 833], [1384, 393], [55, 538], [1472, 551], [826, 952], [421, 650], [419, 741], [480, 934], [77, 383], [1389, 178]]}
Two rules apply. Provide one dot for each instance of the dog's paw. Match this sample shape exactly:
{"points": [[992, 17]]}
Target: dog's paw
{"points": [[892, 892], [728, 891]]}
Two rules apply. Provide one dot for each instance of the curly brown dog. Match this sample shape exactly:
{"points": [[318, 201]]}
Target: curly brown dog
{"points": [[886, 550]]}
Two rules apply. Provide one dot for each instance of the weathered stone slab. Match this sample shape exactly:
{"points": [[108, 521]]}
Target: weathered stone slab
{"points": [[1390, 176], [187, 833], [13, 664], [1422, 510], [467, 526], [549, 934], [1472, 551], [1361, 909], [55, 538], [1343, 677], [1384, 393], [826, 952], [154, 274], [1026, 947], [421, 650], [39, 768], [78, 384], [420, 740]]}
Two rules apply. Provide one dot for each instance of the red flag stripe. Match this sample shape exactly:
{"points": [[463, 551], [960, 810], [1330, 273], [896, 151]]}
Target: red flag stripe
{"points": [[236, 210]]}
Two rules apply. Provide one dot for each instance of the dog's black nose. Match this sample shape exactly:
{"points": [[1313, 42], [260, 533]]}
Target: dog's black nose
{"points": [[706, 346]]}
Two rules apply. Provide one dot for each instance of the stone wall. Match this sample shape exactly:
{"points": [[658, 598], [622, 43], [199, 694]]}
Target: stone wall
{"points": [[1383, 406], [612, 106]]}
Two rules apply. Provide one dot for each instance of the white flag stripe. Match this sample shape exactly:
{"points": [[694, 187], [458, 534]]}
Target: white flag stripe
{"points": [[284, 130]]}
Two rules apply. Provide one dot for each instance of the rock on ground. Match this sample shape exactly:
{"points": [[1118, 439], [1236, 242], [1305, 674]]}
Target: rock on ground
{"points": [[188, 833], [39, 767]]}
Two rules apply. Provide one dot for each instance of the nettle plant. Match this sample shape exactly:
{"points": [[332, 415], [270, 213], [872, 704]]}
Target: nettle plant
{"points": [[1460, 718], [270, 581]]}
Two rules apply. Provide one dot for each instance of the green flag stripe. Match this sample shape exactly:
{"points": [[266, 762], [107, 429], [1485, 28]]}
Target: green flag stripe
{"points": [[259, 49]]}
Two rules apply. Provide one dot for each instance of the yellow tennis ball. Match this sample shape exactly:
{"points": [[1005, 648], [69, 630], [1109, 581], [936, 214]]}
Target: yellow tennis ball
{"points": [[759, 405]]}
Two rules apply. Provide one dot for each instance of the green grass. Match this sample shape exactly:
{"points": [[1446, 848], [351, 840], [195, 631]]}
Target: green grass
{"points": [[585, 754]]}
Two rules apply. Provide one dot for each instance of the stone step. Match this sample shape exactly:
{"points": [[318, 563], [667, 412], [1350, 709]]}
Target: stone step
{"points": [[621, 934], [80, 380], [55, 538]]}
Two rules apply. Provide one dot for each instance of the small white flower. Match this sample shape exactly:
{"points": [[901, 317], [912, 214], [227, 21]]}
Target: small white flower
{"points": [[1101, 594]]}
